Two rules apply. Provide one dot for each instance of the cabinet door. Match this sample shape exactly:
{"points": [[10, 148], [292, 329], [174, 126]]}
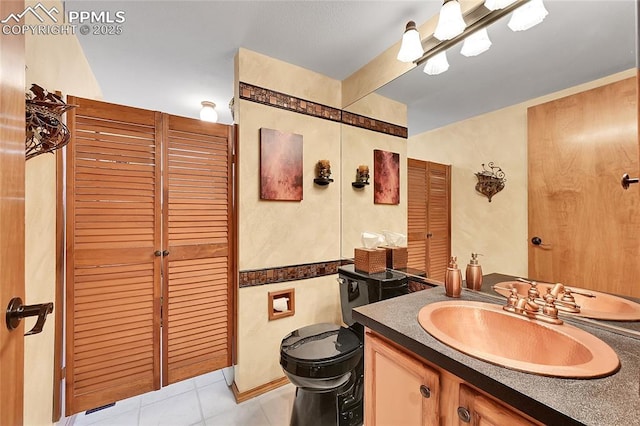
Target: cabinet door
{"points": [[399, 390], [485, 411]]}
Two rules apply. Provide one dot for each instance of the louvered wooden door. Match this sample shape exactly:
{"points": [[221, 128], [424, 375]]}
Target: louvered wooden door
{"points": [[113, 277], [429, 217], [149, 239], [197, 298], [417, 214]]}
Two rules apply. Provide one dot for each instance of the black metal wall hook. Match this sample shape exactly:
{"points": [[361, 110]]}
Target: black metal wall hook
{"points": [[16, 311]]}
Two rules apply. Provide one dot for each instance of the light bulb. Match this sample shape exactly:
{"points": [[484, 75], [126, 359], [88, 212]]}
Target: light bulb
{"points": [[208, 112], [476, 43], [527, 16], [411, 47], [450, 21], [437, 64]]}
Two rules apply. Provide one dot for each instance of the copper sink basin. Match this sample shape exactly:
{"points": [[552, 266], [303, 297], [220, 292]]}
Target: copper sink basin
{"points": [[487, 332], [603, 306]]}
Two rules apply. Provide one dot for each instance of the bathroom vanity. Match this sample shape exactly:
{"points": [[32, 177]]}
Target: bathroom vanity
{"points": [[419, 380]]}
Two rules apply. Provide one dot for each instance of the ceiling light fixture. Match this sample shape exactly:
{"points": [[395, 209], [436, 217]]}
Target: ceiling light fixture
{"points": [[497, 4], [208, 112], [474, 29], [437, 64], [476, 43], [450, 21], [411, 47], [529, 15]]}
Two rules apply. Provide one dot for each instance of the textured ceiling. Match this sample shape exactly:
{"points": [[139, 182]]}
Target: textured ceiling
{"points": [[174, 54]]}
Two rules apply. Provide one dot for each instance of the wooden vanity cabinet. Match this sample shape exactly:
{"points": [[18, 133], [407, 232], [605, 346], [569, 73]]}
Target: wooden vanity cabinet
{"points": [[403, 389], [486, 411], [399, 389]]}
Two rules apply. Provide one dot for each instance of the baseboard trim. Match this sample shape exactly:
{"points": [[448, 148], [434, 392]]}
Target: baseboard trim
{"points": [[252, 393]]}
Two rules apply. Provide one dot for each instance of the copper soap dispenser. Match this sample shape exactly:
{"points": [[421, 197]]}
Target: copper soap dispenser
{"points": [[474, 273], [453, 279]]}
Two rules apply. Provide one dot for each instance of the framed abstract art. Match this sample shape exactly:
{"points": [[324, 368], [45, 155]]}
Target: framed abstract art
{"points": [[386, 177], [280, 165]]}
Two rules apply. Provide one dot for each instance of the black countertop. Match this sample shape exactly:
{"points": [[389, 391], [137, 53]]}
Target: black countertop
{"points": [[613, 400]]}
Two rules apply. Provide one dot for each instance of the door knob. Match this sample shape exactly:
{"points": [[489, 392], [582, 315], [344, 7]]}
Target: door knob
{"points": [[626, 181], [16, 311], [429, 235], [537, 241]]}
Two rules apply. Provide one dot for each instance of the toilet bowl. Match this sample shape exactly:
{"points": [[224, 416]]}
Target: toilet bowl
{"points": [[320, 356], [326, 361]]}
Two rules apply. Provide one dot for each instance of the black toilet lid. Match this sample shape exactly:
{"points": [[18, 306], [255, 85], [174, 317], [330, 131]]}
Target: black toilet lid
{"points": [[319, 344]]}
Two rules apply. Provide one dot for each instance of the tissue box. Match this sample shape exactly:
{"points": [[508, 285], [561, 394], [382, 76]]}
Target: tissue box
{"points": [[396, 257], [370, 261]]}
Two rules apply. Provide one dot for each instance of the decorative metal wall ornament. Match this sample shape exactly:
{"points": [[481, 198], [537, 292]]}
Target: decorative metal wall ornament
{"points": [[491, 181], [45, 130]]}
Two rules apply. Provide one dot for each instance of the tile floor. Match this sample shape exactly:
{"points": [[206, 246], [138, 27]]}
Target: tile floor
{"points": [[202, 401]]}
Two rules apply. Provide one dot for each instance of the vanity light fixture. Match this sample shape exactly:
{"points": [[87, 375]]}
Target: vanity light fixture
{"points": [[529, 15], [450, 21], [437, 64], [208, 112], [411, 47], [526, 13]]}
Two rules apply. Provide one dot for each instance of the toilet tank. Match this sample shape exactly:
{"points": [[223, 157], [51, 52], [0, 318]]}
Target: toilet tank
{"points": [[359, 288]]}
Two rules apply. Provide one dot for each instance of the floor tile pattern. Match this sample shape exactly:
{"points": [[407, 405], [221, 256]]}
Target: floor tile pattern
{"points": [[203, 401]]}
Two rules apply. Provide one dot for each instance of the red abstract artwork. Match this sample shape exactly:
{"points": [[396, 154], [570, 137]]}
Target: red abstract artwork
{"points": [[280, 165], [386, 177]]}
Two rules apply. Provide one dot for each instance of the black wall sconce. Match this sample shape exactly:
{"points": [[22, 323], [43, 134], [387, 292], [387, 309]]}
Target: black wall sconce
{"points": [[362, 177], [490, 181], [323, 173], [44, 127]]}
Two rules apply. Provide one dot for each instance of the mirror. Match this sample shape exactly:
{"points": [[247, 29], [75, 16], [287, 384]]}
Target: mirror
{"points": [[573, 47]]}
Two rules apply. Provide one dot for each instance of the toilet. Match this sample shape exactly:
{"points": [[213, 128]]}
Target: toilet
{"points": [[326, 361]]}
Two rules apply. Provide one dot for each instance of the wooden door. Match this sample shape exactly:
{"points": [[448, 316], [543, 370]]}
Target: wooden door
{"points": [[113, 274], [417, 214], [12, 159], [579, 147], [199, 279], [429, 217], [399, 390]]}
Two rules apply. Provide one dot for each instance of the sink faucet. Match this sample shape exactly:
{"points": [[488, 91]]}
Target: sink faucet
{"points": [[530, 308], [563, 296]]}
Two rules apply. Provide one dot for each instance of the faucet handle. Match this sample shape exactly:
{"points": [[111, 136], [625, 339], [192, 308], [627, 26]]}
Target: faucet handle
{"points": [[549, 308], [567, 296], [533, 292], [512, 300]]}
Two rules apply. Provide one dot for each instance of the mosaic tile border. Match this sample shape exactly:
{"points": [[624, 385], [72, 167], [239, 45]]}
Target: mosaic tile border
{"points": [[290, 103], [255, 277], [280, 100], [374, 125]]}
